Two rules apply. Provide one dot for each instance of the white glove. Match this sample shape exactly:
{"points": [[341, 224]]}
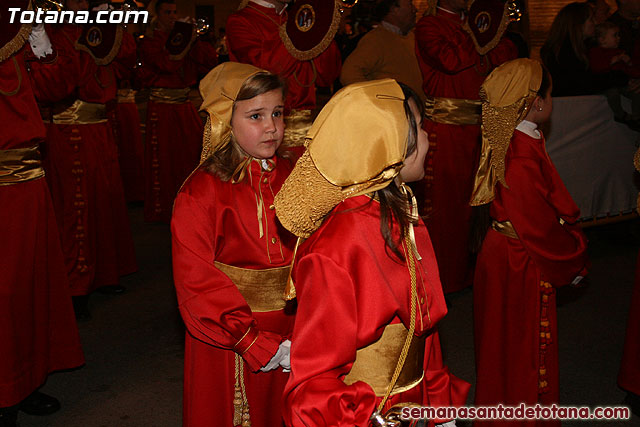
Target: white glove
{"points": [[451, 423], [103, 6], [281, 354], [39, 41], [285, 362]]}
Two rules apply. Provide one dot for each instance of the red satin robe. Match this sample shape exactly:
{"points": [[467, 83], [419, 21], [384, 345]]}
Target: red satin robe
{"points": [[218, 221], [253, 38], [173, 131], [348, 289], [629, 375], [125, 120], [511, 308], [39, 333], [452, 68], [83, 171]]}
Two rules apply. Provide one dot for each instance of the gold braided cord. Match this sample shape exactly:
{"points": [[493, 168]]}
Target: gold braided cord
{"points": [[15, 44], [241, 415], [411, 265], [19, 73]]}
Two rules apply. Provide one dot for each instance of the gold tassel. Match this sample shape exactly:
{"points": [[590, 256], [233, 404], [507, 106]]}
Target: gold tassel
{"points": [[240, 402]]}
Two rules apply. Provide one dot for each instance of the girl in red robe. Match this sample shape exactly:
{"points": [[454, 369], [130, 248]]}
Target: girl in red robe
{"points": [[230, 257], [367, 284], [532, 245]]}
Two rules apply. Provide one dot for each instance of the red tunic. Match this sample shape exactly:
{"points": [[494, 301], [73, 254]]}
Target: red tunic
{"points": [[600, 62], [83, 171], [39, 333], [629, 375], [125, 120], [511, 308], [349, 288], [173, 130], [253, 38], [217, 221], [451, 68]]}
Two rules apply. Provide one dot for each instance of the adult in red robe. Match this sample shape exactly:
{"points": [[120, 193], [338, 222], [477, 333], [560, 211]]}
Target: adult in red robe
{"points": [[452, 68], [253, 37], [173, 126], [215, 222], [369, 291], [39, 333], [515, 322], [125, 120], [82, 166]]}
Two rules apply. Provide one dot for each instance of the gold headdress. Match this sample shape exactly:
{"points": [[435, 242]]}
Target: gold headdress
{"points": [[507, 95], [219, 90], [356, 145]]}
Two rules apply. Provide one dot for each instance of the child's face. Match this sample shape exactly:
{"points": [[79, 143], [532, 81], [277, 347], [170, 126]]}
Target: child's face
{"points": [[258, 124], [610, 39], [413, 169]]}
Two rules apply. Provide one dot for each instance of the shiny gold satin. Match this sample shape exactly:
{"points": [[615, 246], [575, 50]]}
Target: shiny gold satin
{"points": [[219, 90], [163, 95], [505, 228], [126, 96], [507, 95], [356, 145], [453, 111], [81, 113], [20, 165], [375, 364], [262, 289], [297, 124]]}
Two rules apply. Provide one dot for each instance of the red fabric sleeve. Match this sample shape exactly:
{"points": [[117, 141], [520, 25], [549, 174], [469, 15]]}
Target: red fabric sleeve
{"points": [[153, 53], [323, 350], [328, 65], [505, 51], [535, 201], [127, 56], [204, 55], [449, 52], [248, 47], [212, 308]]}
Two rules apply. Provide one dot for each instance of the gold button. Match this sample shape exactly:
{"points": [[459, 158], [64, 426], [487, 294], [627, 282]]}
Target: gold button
{"points": [[265, 180], [421, 300], [274, 240], [272, 207]]}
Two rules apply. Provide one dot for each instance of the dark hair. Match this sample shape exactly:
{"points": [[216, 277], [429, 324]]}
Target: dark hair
{"points": [[567, 25], [382, 9], [394, 204], [602, 28], [480, 215], [224, 162], [161, 2]]}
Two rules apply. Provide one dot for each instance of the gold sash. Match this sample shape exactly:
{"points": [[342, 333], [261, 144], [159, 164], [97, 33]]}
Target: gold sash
{"points": [[20, 165], [505, 228], [163, 95], [126, 96], [81, 113], [376, 363], [262, 289], [297, 123], [453, 111]]}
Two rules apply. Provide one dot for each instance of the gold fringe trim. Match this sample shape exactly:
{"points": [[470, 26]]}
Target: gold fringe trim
{"points": [[305, 55], [16, 43], [496, 39], [112, 53]]}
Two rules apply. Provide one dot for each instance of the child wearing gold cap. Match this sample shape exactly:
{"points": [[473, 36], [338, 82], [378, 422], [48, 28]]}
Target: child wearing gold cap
{"points": [[530, 244], [369, 296], [231, 259]]}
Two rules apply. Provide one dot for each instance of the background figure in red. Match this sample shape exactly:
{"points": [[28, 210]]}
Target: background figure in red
{"points": [[532, 244], [82, 163], [39, 333], [452, 71], [125, 120], [629, 375], [174, 128], [253, 37]]}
